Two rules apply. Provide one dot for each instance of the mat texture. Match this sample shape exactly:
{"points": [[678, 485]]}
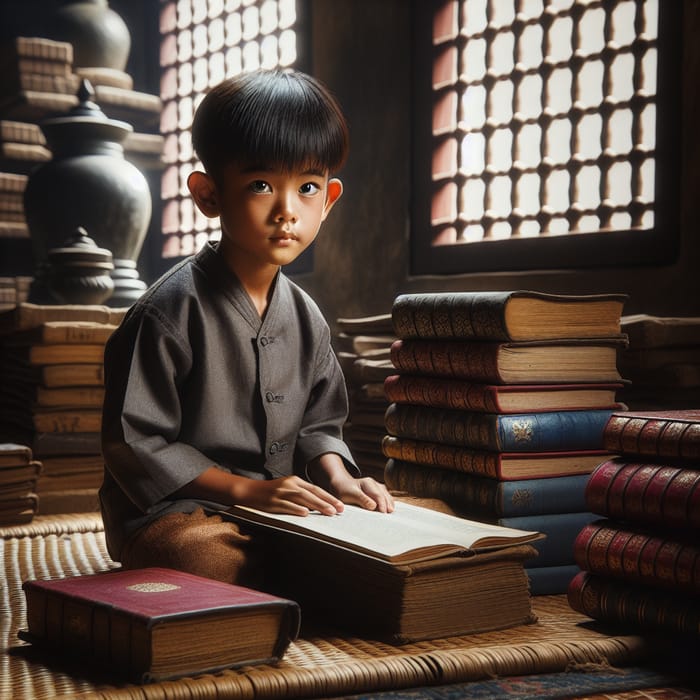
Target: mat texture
{"points": [[314, 666]]}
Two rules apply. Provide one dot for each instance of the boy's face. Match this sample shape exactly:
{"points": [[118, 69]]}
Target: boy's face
{"points": [[267, 217]]}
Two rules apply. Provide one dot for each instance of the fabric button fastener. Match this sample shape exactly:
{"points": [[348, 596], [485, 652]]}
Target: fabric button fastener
{"points": [[276, 447]]}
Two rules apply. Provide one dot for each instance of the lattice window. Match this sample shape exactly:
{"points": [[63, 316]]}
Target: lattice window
{"points": [[202, 42], [544, 118]]}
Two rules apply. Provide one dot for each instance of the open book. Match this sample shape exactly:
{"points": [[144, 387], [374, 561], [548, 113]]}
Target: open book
{"points": [[408, 535]]}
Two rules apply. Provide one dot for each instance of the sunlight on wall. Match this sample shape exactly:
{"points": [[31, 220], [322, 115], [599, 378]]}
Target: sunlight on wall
{"points": [[203, 42]]}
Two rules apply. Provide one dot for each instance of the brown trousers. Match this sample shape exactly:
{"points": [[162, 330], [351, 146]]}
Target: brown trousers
{"points": [[199, 544]]}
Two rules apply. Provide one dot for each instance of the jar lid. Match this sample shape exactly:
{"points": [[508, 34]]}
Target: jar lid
{"points": [[79, 249], [85, 120]]}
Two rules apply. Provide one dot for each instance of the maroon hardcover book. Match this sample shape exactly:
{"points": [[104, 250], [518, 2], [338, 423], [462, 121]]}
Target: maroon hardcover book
{"points": [[155, 623], [672, 434], [658, 559], [498, 398], [645, 493]]}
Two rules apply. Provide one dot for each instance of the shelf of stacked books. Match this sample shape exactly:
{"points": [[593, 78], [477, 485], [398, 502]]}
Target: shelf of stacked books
{"points": [[662, 362], [497, 405], [363, 345], [18, 478], [51, 370], [640, 561]]}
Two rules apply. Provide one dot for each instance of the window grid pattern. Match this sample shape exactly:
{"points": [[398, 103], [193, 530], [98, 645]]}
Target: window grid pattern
{"points": [[544, 118], [202, 43]]}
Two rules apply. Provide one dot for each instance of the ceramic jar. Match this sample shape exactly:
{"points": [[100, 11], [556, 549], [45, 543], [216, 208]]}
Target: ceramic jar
{"points": [[89, 184], [100, 37]]}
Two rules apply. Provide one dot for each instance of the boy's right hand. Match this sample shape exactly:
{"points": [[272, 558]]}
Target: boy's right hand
{"points": [[287, 494]]}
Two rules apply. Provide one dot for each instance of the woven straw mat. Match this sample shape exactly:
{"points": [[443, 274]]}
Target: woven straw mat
{"points": [[313, 667]]}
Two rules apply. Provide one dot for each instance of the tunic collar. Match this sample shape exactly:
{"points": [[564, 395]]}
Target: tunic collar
{"points": [[212, 263]]}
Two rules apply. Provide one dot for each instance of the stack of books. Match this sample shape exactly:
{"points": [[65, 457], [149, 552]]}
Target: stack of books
{"points": [[640, 564], [662, 361], [39, 80], [498, 409], [363, 346], [13, 223], [13, 290], [18, 477], [51, 367], [412, 574]]}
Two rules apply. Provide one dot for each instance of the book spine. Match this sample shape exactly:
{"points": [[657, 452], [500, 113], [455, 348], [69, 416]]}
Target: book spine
{"points": [[557, 548], [472, 494], [46, 49], [548, 431], [477, 361], [77, 334], [440, 393], [74, 397], [466, 496], [642, 607], [86, 375], [68, 421], [439, 455], [645, 493], [607, 549], [61, 353], [653, 437], [457, 315]]}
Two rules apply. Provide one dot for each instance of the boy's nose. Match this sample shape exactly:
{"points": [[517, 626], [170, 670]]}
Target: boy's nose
{"points": [[285, 211]]}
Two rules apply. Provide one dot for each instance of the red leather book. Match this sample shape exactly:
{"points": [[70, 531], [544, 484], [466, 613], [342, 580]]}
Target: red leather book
{"points": [[634, 606], [645, 493], [440, 392], [156, 623], [673, 434], [641, 556]]}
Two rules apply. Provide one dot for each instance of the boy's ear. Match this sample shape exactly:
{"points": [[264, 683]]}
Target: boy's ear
{"points": [[333, 191], [204, 193]]}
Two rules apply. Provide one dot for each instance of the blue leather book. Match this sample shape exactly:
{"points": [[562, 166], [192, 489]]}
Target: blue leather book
{"points": [[518, 432], [561, 530], [551, 580], [476, 496]]}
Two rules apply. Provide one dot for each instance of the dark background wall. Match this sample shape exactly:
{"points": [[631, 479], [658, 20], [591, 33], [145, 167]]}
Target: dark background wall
{"points": [[362, 50]]}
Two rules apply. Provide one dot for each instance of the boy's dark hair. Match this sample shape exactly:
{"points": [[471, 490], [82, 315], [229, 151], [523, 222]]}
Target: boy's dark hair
{"points": [[270, 119]]}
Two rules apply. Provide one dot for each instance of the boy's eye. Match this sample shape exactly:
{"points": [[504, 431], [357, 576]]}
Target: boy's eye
{"points": [[259, 186], [309, 188]]}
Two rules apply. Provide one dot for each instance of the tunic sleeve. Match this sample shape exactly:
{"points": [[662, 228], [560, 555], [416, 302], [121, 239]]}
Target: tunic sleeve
{"points": [[326, 412], [146, 362]]}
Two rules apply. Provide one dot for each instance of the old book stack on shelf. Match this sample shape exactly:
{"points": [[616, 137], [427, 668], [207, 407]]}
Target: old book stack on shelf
{"points": [[640, 563], [51, 370], [498, 405], [363, 348], [662, 361], [18, 477], [40, 79]]}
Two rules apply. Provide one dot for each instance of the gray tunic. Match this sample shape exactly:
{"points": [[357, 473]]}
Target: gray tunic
{"points": [[194, 378]]}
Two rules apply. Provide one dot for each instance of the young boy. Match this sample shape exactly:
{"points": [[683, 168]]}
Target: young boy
{"points": [[221, 384]]}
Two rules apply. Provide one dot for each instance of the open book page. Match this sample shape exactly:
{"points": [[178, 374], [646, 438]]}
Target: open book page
{"points": [[408, 535]]}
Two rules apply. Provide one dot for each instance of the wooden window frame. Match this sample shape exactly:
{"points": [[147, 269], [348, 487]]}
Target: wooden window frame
{"points": [[656, 246]]}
